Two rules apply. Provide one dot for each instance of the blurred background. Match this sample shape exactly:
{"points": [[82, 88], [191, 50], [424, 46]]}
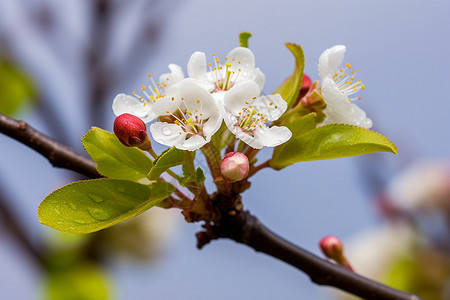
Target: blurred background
{"points": [[62, 63]]}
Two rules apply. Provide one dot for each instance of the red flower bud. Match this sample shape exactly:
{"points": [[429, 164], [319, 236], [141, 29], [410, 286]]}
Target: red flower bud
{"points": [[131, 131], [332, 248], [306, 82], [234, 166]]}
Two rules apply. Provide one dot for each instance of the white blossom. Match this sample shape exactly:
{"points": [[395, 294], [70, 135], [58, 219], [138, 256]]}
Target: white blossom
{"points": [[338, 85]]}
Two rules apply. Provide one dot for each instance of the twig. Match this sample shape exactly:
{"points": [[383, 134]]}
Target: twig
{"points": [[240, 226], [246, 229], [59, 155]]}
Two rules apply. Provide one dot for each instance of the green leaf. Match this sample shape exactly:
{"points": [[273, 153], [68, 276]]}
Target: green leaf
{"points": [[200, 175], [88, 206], [243, 38], [168, 158], [113, 159], [80, 282], [290, 88], [328, 142], [16, 89]]}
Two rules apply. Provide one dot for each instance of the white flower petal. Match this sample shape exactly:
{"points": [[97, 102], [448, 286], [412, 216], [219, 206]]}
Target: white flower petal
{"points": [[242, 58], [128, 104], [211, 126], [173, 77], [330, 60], [197, 70], [192, 143], [260, 78], [234, 100], [340, 109], [271, 106], [197, 98], [167, 134], [273, 136]]}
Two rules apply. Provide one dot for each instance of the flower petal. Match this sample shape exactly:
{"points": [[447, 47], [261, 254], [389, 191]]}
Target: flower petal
{"points": [[128, 104], [193, 143], [340, 109], [211, 126], [235, 99], [330, 60], [176, 74], [195, 98], [273, 136], [260, 78], [197, 70], [242, 58], [271, 106], [167, 134]]}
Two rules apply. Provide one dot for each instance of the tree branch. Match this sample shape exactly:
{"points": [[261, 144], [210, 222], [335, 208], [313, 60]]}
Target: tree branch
{"points": [[240, 226], [58, 155], [246, 229]]}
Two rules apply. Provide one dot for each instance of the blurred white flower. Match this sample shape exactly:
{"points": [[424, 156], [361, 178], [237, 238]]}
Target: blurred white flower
{"points": [[424, 185], [239, 66], [246, 113], [338, 84]]}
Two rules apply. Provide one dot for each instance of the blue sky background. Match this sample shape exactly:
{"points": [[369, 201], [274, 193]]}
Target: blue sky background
{"points": [[401, 49]]}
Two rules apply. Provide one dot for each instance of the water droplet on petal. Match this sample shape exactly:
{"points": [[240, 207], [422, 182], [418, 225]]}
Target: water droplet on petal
{"points": [[98, 213], [96, 198], [166, 131]]}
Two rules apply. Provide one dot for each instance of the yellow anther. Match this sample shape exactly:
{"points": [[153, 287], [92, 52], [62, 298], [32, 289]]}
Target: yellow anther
{"points": [[340, 70], [351, 78], [254, 98], [226, 58], [239, 62], [349, 66], [217, 59], [167, 111], [228, 64], [232, 59], [198, 101], [134, 93], [182, 98], [359, 97], [213, 54], [145, 103], [149, 75], [209, 64], [270, 103]]}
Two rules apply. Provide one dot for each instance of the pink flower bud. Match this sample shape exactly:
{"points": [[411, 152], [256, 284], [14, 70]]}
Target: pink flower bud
{"points": [[306, 83], [131, 131], [332, 247], [234, 166]]}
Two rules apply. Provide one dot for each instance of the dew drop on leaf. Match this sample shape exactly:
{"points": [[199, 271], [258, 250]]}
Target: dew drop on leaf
{"points": [[98, 214], [95, 198]]}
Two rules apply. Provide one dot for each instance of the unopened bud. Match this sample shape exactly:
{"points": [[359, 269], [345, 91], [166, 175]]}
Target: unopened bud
{"points": [[332, 248], [306, 83], [131, 131], [234, 166]]}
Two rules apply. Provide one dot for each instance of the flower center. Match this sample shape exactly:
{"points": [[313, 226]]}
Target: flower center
{"points": [[346, 82], [249, 119], [155, 90], [190, 121], [223, 75]]}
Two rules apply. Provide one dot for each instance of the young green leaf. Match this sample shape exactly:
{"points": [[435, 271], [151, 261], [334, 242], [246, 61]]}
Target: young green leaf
{"points": [[168, 158], [290, 88], [16, 88], [243, 38], [330, 141], [88, 206], [113, 159]]}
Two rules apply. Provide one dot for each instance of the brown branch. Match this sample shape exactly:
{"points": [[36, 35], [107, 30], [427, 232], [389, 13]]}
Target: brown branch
{"points": [[58, 155], [240, 226], [246, 229]]}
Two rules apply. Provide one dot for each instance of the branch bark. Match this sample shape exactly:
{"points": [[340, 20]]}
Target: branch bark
{"points": [[58, 155], [246, 229], [241, 227]]}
